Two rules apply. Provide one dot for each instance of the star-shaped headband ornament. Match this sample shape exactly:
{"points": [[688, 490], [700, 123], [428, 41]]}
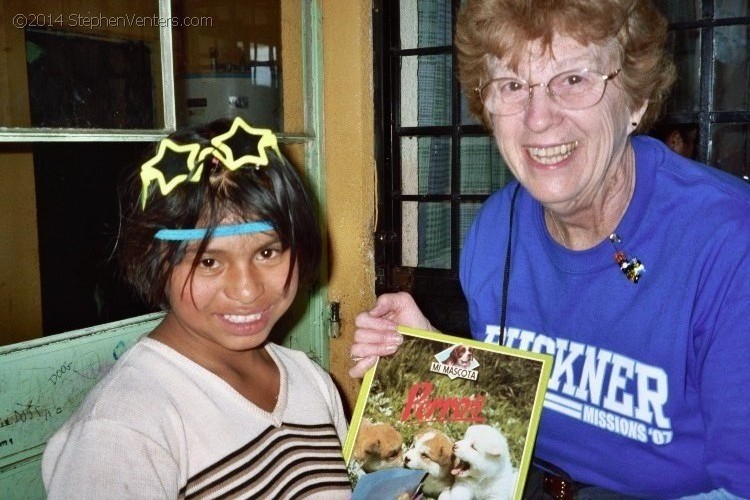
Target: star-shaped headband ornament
{"points": [[176, 163]]}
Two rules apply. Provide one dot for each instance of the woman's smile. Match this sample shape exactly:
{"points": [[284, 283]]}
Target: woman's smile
{"points": [[551, 155]]}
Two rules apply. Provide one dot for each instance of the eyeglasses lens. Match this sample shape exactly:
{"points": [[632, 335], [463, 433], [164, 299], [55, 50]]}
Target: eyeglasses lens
{"points": [[573, 90]]}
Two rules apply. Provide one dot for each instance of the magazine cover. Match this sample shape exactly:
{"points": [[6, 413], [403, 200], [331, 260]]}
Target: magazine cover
{"points": [[446, 418]]}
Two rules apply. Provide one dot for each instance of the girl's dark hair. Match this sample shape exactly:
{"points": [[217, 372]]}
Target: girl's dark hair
{"points": [[274, 193]]}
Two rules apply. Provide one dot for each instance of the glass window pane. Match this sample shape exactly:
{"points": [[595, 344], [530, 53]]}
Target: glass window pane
{"points": [[77, 222], [681, 138], [426, 235], [89, 64], [410, 234], [425, 23], [466, 117], [680, 10], [426, 165], [731, 8], [483, 171], [426, 90], [228, 65], [685, 94], [730, 150], [732, 68], [467, 214]]}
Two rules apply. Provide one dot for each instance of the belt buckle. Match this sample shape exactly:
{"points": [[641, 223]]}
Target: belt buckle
{"points": [[559, 488]]}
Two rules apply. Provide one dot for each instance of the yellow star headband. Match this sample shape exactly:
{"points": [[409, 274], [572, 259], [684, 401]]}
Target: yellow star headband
{"points": [[175, 163]]}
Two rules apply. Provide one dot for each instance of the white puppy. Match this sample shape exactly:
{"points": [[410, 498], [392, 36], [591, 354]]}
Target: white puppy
{"points": [[482, 467], [432, 451]]}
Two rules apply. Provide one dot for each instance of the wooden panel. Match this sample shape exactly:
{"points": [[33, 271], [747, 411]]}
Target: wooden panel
{"points": [[42, 382]]}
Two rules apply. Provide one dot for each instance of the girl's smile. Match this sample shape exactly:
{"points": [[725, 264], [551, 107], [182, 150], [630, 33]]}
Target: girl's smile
{"points": [[246, 324]]}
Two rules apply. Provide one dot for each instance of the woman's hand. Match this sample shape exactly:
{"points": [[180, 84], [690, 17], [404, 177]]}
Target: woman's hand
{"points": [[376, 333]]}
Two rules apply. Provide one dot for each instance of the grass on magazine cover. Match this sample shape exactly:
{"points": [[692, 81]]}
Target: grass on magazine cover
{"points": [[509, 383]]}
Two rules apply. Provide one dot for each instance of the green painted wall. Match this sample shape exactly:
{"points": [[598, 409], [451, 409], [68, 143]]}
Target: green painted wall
{"points": [[42, 382]]}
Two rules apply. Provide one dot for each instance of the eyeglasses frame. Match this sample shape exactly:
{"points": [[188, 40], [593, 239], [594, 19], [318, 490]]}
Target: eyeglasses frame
{"points": [[606, 78]]}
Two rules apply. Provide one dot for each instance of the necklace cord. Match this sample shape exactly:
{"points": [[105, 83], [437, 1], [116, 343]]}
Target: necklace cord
{"points": [[506, 273], [559, 230]]}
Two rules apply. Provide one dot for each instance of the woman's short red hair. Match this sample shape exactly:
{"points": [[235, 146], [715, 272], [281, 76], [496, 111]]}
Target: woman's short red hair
{"points": [[505, 28]]}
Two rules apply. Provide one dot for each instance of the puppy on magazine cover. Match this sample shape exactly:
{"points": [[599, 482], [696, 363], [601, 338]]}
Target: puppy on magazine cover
{"points": [[432, 452], [460, 356], [378, 446], [482, 466]]}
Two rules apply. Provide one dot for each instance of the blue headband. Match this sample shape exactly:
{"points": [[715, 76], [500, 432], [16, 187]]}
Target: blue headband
{"points": [[227, 230]]}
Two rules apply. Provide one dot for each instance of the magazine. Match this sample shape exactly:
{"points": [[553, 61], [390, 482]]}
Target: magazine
{"points": [[446, 418]]}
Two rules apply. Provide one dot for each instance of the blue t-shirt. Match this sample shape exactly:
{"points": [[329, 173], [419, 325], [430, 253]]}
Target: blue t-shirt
{"points": [[649, 390]]}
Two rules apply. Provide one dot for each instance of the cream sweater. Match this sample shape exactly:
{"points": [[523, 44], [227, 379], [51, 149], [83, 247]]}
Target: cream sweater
{"points": [[160, 426]]}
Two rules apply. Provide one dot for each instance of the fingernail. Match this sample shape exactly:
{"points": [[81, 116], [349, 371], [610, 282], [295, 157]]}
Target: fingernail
{"points": [[391, 349]]}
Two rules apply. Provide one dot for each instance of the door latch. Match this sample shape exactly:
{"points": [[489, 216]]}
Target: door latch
{"points": [[335, 320]]}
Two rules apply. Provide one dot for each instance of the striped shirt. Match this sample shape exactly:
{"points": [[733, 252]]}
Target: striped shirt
{"points": [[159, 426], [291, 461]]}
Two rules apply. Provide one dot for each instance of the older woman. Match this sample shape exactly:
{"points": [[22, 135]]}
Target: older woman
{"points": [[627, 262]]}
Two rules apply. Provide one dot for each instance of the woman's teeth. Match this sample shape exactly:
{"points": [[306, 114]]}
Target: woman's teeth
{"points": [[553, 154]]}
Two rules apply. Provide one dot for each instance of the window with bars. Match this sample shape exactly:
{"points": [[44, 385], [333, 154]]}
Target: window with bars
{"points": [[437, 164], [711, 98], [69, 132]]}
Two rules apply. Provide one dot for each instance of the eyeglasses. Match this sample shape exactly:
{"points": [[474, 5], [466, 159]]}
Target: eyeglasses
{"points": [[577, 89]]}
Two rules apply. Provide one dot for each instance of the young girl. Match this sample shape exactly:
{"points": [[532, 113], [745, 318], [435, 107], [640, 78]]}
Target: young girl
{"points": [[219, 234]]}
